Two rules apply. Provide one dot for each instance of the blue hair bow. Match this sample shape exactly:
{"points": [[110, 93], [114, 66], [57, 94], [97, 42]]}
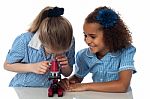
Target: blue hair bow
{"points": [[107, 18]]}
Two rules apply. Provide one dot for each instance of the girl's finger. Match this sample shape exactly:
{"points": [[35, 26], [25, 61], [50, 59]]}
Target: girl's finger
{"points": [[64, 66], [43, 71], [63, 62], [45, 63], [43, 67]]}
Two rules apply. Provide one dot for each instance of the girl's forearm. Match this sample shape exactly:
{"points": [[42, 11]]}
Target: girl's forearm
{"points": [[113, 86], [18, 67]]}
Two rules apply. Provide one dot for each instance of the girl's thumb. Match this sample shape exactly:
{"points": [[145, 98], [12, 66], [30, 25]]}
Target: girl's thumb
{"points": [[72, 81]]}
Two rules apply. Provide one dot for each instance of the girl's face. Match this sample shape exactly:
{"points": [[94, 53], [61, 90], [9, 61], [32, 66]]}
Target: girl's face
{"points": [[94, 38]]}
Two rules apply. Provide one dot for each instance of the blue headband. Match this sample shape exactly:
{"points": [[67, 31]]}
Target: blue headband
{"points": [[107, 18]]}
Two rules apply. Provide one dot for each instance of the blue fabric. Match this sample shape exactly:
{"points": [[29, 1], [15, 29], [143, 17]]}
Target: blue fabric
{"points": [[22, 53], [107, 68]]}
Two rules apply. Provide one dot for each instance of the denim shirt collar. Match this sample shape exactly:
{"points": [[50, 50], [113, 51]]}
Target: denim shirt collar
{"points": [[91, 55], [92, 58]]}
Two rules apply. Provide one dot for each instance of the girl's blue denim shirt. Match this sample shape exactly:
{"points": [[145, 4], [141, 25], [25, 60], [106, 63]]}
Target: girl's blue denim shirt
{"points": [[107, 68]]}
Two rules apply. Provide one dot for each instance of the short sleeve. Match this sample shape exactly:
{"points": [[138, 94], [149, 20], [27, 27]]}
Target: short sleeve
{"points": [[17, 52], [127, 59], [71, 53], [81, 67]]}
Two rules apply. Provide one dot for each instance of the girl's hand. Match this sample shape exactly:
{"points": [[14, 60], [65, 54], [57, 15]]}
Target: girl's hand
{"points": [[63, 61], [77, 87], [66, 70], [65, 83], [40, 68]]}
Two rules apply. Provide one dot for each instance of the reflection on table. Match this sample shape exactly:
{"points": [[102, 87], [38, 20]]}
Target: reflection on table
{"points": [[41, 93]]}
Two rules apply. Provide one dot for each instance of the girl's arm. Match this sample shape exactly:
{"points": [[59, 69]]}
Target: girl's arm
{"points": [[120, 85], [38, 68]]}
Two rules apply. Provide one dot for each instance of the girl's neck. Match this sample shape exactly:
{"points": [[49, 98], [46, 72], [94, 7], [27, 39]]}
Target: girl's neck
{"points": [[101, 54]]}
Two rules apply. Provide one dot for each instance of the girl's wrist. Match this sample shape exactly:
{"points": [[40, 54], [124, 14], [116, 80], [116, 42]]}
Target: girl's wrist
{"points": [[66, 70], [86, 86], [30, 68]]}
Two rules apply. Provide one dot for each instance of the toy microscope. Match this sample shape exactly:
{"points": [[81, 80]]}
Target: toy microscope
{"points": [[55, 76]]}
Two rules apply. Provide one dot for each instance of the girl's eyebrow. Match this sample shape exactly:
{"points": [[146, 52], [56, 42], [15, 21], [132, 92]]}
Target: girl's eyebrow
{"points": [[89, 34]]}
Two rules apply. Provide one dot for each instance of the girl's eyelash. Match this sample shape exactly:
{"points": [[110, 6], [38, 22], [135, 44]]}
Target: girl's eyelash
{"points": [[89, 35], [93, 37]]}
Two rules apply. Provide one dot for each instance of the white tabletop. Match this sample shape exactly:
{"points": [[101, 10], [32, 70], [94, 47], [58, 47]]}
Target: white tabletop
{"points": [[41, 93]]}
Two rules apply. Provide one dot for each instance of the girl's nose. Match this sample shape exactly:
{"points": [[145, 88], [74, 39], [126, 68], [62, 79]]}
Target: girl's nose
{"points": [[87, 40]]}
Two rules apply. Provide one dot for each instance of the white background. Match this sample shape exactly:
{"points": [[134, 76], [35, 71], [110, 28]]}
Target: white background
{"points": [[17, 15]]}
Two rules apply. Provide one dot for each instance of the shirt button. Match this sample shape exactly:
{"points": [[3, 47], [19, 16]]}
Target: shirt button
{"points": [[101, 71], [101, 80], [42, 83]]}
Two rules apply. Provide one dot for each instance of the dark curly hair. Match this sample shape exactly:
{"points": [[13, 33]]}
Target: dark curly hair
{"points": [[116, 35]]}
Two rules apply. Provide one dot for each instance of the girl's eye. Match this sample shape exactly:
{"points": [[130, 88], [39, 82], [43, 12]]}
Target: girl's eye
{"points": [[93, 37], [85, 35]]}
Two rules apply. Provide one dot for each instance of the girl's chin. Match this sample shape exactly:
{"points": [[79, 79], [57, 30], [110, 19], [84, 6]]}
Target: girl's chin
{"points": [[92, 50]]}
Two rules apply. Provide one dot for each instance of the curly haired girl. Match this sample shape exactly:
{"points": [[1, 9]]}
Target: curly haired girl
{"points": [[109, 57]]}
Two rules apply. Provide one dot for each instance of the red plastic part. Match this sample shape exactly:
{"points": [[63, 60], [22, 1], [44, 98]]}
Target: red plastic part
{"points": [[60, 92], [54, 66], [55, 89], [55, 76], [50, 92]]}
